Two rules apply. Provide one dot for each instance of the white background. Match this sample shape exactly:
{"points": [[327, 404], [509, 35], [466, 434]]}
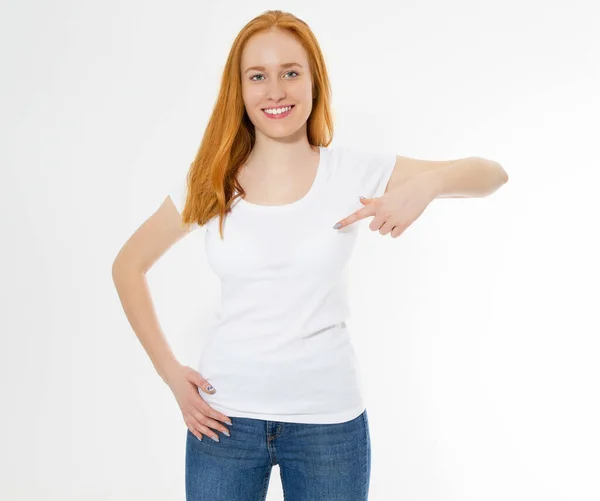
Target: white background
{"points": [[476, 330]]}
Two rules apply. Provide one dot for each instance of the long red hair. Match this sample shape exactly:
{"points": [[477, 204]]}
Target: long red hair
{"points": [[229, 135]]}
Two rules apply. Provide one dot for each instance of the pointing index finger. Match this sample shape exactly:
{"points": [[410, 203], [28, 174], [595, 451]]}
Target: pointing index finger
{"points": [[367, 211]]}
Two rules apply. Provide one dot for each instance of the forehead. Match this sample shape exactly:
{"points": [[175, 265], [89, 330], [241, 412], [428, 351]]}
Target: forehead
{"points": [[270, 49]]}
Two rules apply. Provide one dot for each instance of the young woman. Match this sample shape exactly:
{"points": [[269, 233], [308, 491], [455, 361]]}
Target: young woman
{"points": [[266, 187]]}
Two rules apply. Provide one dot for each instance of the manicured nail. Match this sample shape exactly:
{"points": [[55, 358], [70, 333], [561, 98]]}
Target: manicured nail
{"points": [[229, 423], [362, 198], [209, 388], [226, 433], [337, 225]]}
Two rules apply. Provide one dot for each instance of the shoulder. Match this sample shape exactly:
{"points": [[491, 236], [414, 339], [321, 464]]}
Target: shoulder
{"points": [[361, 158], [362, 168]]}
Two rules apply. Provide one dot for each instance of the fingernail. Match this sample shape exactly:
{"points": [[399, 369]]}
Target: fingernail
{"points": [[337, 225], [362, 198], [226, 433], [209, 388], [229, 423]]}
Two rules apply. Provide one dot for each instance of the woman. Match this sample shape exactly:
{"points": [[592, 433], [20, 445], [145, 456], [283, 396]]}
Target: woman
{"points": [[267, 189]]}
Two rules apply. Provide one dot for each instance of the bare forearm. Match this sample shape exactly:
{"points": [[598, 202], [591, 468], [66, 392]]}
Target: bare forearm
{"points": [[133, 291], [469, 177]]}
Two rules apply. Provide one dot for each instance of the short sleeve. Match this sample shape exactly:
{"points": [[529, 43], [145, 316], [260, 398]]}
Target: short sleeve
{"points": [[365, 172], [178, 194]]}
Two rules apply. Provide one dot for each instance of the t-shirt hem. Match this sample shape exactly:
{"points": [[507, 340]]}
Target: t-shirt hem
{"points": [[340, 417]]}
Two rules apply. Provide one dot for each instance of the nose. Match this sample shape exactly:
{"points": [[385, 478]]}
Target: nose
{"points": [[276, 91]]}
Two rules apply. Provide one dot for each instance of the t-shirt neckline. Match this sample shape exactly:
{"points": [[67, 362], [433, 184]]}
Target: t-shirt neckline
{"points": [[293, 205]]}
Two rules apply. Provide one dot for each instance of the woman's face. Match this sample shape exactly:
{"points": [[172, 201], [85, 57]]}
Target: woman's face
{"points": [[273, 86]]}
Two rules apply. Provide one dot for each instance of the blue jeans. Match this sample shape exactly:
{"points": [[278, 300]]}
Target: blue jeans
{"points": [[317, 462]]}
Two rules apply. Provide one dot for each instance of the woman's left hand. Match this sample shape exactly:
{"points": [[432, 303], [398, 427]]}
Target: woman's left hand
{"points": [[398, 208]]}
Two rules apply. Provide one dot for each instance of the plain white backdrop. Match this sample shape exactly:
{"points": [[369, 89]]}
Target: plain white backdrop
{"points": [[476, 331]]}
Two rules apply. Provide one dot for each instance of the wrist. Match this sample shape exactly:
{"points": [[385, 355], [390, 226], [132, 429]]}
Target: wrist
{"points": [[166, 368]]}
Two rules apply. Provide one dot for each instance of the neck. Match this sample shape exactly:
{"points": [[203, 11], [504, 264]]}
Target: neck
{"points": [[273, 155]]}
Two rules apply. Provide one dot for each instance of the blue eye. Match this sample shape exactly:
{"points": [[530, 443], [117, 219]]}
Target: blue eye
{"points": [[260, 75]]}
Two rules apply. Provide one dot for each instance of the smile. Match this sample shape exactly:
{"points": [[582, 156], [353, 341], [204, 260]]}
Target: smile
{"points": [[276, 113]]}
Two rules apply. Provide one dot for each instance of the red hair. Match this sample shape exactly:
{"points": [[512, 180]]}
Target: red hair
{"points": [[230, 136]]}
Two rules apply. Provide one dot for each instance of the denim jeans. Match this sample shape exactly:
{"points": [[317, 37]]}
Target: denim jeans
{"points": [[317, 462]]}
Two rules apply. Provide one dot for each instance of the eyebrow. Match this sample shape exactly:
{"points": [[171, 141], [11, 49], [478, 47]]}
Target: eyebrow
{"points": [[262, 68]]}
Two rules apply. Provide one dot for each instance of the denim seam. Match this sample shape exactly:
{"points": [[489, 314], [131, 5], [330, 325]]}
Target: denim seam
{"points": [[366, 468], [263, 494]]}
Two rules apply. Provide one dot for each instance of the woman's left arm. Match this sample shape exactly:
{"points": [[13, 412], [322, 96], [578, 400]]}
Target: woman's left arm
{"points": [[463, 178], [415, 183], [466, 178]]}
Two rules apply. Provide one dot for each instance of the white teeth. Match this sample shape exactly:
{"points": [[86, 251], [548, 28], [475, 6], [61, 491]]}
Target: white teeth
{"points": [[277, 111]]}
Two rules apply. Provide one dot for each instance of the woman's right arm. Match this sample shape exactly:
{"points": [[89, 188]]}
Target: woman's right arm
{"points": [[149, 242], [145, 246]]}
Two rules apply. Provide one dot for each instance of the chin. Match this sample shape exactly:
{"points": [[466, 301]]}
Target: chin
{"points": [[278, 134]]}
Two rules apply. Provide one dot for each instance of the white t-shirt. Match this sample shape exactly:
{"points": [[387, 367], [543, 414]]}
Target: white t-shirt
{"points": [[280, 349]]}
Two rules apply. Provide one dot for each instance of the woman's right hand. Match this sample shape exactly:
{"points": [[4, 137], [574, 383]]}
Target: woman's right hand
{"points": [[197, 414]]}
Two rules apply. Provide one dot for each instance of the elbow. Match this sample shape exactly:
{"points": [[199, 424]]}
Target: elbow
{"points": [[502, 174], [124, 267], [116, 269], [120, 267]]}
